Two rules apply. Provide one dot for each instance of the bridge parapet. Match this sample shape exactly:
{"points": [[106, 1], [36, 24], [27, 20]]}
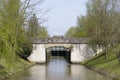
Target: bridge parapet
{"points": [[59, 40]]}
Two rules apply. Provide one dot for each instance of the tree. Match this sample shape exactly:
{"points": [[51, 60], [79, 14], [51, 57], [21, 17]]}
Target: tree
{"points": [[81, 26], [103, 17], [33, 26], [42, 32], [10, 18], [35, 29], [101, 24], [70, 32], [14, 40]]}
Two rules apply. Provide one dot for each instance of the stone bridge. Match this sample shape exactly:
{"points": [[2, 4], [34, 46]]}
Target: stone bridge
{"points": [[75, 50], [59, 40]]}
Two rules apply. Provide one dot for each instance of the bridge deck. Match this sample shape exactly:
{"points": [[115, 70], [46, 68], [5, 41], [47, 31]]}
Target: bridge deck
{"points": [[59, 40]]}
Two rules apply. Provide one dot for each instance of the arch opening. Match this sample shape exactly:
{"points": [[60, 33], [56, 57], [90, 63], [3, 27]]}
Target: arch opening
{"points": [[58, 52]]}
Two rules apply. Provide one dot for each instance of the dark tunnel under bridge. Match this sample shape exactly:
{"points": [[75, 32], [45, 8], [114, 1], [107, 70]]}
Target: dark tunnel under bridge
{"points": [[57, 52]]}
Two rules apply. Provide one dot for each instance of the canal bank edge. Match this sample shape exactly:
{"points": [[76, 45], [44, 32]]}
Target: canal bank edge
{"points": [[22, 69], [105, 73], [7, 76], [109, 67]]}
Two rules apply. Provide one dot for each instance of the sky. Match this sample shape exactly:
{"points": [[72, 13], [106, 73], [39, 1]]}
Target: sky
{"points": [[62, 14]]}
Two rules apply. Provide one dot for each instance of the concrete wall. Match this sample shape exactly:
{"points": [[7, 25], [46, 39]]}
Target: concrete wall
{"points": [[38, 54], [79, 53]]}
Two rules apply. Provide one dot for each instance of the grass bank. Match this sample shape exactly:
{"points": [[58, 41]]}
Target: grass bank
{"points": [[109, 67], [8, 68]]}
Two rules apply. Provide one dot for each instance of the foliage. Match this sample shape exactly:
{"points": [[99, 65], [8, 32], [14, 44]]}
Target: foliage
{"points": [[35, 29], [70, 32], [14, 40], [10, 27], [101, 24], [33, 26], [43, 33], [109, 66], [77, 31], [80, 28], [103, 20]]}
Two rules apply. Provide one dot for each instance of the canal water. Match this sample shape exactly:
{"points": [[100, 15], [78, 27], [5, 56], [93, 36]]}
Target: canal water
{"points": [[58, 69]]}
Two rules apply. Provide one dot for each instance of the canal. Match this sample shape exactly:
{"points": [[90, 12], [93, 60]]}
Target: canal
{"points": [[58, 69]]}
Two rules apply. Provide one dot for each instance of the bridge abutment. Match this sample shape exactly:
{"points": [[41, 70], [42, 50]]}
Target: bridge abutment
{"points": [[78, 53], [38, 54]]}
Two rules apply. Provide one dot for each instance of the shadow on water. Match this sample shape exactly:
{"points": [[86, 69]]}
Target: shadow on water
{"points": [[58, 69]]}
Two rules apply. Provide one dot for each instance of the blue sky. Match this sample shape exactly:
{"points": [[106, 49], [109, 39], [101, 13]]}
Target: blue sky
{"points": [[63, 14]]}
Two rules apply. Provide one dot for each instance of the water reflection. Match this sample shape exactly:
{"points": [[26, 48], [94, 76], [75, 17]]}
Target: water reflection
{"points": [[59, 69]]}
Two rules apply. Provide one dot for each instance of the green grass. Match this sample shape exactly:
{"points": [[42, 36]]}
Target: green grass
{"points": [[8, 68], [109, 66]]}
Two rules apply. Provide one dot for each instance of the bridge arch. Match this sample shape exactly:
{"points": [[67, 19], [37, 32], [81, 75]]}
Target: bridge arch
{"points": [[58, 48], [58, 51]]}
